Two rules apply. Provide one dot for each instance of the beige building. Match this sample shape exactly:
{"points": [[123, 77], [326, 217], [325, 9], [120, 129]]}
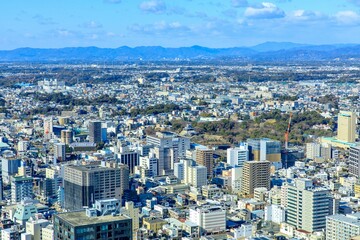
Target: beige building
{"points": [[346, 126], [205, 158], [255, 174], [133, 213]]}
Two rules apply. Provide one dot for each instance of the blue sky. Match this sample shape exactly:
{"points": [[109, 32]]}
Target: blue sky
{"points": [[176, 23]]}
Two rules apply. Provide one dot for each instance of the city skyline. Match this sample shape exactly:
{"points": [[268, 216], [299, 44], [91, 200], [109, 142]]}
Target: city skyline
{"points": [[229, 23]]}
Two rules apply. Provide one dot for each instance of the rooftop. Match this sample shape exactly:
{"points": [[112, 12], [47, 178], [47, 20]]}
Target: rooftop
{"points": [[79, 218]]}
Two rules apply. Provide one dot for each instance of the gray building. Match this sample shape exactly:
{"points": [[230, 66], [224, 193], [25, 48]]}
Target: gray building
{"points": [[95, 131], [9, 167], [339, 227], [354, 161], [21, 187], [84, 184]]}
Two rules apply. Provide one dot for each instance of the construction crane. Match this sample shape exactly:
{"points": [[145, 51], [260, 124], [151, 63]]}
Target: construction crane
{"points": [[287, 133]]}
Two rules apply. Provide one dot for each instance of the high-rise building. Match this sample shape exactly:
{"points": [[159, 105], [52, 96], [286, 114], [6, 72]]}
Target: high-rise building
{"points": [[179, 170], [307, 205], [196, 176], [66, 136], [150, 163], [168, 148], [84, 184], [237, 156], [339, 227], [95, 131], [21, 187], [209, 218], [346, 126], [354, 161], [9, 167], [313, 150], [270, 150], [128, 157], [48, 128], [59, 152], [205, 157], [89, 225], [255, 174], [132, 212]]}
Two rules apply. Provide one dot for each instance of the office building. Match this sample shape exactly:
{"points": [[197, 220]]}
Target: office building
{"points": [[168, 148], [132, 212], [237, 156], [254, 149], [340, 227], [179, 170], [48, 128], [128, 157], [307, 205], [346, 126], [9, 167], [255, 174], [59, 152], [84, 184], [313, 150], [34, 227], [354, 161], [205, 157], [88, 225], [209, 218], [196, 176], [265, 149], [21, 187], [95, 131], [66, 136]]}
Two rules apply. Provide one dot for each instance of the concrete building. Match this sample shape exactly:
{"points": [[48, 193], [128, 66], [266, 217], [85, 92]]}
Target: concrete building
{"points": [[205, 157], [85, 225], [196, 176], [255, 174], [66, 136], [339, 227], [84, 184], [313, 150], [21, 187], [237, 156], [133, 213], [346, 126], [128, 157], [48, 128], [168, 148], [210, 218], [35, 226], [59, 152], [307, 205], [95, 131], [354, 161], [9, 167], [274, 213]]}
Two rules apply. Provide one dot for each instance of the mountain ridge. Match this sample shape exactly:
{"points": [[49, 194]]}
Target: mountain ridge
{"points": [[268, 51]]}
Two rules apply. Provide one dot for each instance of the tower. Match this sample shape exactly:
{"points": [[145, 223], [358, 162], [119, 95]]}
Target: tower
{"points": [[346, 126], [95, 131]]}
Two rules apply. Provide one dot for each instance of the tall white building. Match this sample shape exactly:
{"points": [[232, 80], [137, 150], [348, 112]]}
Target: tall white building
{"points": [[59, 152], [308, 206], [209, 218], [313, 150], [237, 156], [339, 227]]}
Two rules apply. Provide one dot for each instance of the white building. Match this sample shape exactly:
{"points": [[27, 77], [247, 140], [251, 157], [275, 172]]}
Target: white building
{"points": [[209, 218], [244, 231], [196, 176], [274, 213], [47, 233], [237, 156], [313, 150], [34, 227], [340, 226], [59, 152]]}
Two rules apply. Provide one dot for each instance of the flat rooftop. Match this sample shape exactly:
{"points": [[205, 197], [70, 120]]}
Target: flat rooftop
{"points": [[79, 218]]}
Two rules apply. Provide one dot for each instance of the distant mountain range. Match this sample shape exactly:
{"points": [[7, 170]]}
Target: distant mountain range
{"points": [[269, 51]]}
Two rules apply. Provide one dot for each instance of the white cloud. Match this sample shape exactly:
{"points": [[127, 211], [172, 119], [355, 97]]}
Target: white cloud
{"points": [[264, 11], [153, 6], [91, 24], [306, 15], [347, 17]]}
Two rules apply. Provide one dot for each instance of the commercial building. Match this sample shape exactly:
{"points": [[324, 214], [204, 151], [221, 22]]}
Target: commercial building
{"points": [[59, 152], [83, 184], [128, 157], [87, 225], [21, 187], [264, 149], [307, 205], [210, 218], [237, 156], [95, 131], [196, 176], [339, 227], [346, 126], [66, 136], [354, 161], [255, 174], [168, 148], [205, 157], [9, 167]]}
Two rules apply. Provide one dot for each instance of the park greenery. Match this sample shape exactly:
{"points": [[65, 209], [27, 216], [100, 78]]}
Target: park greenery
{"points": [[271, 125]]}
